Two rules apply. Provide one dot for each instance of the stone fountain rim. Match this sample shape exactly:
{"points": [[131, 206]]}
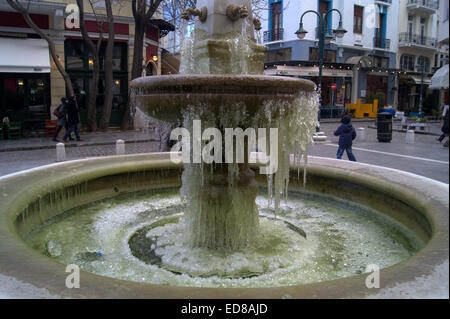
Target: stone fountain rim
{"points": [[22, 264], [225, 80]]}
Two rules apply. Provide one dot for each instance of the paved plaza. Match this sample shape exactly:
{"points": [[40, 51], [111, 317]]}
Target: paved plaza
{"points": [[425, 157]]}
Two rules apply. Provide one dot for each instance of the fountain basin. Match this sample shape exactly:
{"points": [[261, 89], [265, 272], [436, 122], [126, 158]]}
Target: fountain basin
{"points": [[30, 198], [165, 97]]}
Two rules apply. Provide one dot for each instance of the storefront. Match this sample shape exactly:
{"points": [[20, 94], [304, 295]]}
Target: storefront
{"points": [[336, 79], [79, 66], [409, 94], [25, 82]]}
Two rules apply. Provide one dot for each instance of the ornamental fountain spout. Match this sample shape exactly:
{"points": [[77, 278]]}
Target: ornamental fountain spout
{"points": [[257, 24], [201, 13], [236, 12]]}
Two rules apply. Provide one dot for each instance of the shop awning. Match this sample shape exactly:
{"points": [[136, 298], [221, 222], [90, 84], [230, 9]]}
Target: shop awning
{"points": [[362, 61], [418, 79], [307, 71], [24, 56], [440, 79]]}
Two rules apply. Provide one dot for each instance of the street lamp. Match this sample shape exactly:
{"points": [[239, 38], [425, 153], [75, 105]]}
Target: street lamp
{"points": [[324, 36], [422, 69]]}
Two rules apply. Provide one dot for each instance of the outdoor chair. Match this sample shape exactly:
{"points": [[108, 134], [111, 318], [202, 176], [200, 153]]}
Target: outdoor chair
{"points": [[50, 127], [14, 130]]}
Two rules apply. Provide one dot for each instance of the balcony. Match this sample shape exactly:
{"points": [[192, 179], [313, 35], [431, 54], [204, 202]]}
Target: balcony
{"points": [[416, 40], [422, 6], [381, 43], [273, 35]]}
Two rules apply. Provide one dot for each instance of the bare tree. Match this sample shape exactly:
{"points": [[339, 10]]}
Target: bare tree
{"points": [[260, 8], [94, 49], [143, 11], [172, 11], [106, 111], [16, 5]]}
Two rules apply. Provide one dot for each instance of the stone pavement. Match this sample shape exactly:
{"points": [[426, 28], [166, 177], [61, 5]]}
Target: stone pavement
{"points": [[426, 157]]}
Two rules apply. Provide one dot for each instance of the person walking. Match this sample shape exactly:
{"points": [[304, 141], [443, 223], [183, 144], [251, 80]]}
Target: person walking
{"points": [[445, 125], [61, 113], [347, 134], [73, 120]]}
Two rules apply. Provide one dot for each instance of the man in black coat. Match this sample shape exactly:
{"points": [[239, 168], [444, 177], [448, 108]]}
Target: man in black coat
{"points": [[445, 125], [347, 134], [72, 119]]}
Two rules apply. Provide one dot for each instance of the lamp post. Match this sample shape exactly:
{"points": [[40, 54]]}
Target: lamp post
{"points": [[422, 69], [323, 35]]}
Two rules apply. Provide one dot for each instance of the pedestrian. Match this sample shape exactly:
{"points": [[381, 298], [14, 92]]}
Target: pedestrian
{"points": [[445, 125], [61, 114], [347, 134], [73, 119]]}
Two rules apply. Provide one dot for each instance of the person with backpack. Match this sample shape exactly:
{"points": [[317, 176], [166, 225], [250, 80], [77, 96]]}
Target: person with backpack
{"points": [[347, 134], [60, 113]]}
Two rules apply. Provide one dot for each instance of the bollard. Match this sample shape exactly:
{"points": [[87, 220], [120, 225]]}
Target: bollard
{"points": [[120, 147], [60, 152], [361, 134], [410, 137]]}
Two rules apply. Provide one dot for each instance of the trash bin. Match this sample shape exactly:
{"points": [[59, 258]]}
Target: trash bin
{"points": [[384, 127]]}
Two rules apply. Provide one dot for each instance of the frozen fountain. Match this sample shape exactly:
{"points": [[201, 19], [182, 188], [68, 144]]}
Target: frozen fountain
{"points": [[123, 222], [221, 85]]}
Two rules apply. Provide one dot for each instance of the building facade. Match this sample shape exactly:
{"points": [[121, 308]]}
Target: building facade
{"points": [[381, 55], [361, 65], [417, 53], [30, 84]]}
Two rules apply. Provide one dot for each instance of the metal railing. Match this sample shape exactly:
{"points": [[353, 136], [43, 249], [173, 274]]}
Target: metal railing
{"points": [[327, 32], [416, 39], [431, 4], [381, 43], [273, 35], [386, 1]]}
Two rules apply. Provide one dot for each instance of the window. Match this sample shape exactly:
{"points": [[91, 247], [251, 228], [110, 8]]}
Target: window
{"points": [[279, 55], [74, 54], [323, 7], [329, 55], [407, 62], [276, 22], [410, 28], [380, 62], [358, 18], [425, 62], [422, 30]]}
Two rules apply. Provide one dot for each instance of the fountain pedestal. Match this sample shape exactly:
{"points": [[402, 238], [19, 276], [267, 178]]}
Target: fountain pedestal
{"points": [[220, 215]]}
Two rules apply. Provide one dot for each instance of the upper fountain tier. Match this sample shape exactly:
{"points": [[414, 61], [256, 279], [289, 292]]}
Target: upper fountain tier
{"points": [[223, 40], [224, 17], [221, 65]]}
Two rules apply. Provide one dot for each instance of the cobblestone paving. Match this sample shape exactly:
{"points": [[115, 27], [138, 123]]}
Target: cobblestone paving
{"points": [[11, 162], [425, 157]]}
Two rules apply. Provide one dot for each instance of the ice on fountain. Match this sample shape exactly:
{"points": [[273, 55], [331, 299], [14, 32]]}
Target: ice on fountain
{"points": [[226, 217], [342, 241]]}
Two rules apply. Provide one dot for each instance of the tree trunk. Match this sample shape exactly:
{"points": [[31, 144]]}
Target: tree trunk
{"points": [[143, 11], [109, 85], [136, 71], [94, 50], [18, 7]]}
